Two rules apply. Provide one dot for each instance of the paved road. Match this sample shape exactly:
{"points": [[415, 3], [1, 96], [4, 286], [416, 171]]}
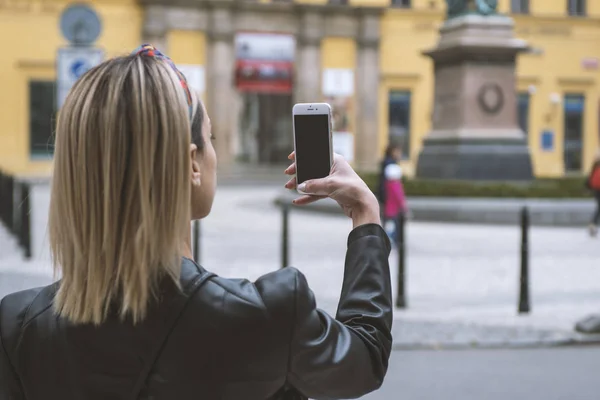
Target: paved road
{"points": [[543, 374]]}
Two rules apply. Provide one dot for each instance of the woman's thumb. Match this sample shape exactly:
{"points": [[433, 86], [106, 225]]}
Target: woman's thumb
{"points": [[316, 186]]}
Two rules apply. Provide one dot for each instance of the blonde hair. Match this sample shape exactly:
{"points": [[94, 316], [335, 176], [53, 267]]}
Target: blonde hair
{"points": [[120, 202], [597, 156]]}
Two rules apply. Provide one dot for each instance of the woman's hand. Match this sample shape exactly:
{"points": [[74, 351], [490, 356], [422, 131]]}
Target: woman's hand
{"points": [[342, 185]]}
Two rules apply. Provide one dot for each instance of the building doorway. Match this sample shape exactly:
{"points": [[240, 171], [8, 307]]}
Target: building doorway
{"points": [[266, 128], [573, 126], [264, 72]]}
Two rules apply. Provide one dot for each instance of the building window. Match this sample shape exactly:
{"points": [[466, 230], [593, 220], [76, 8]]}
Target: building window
{"points": [[523, 112], [42, 118], [576, 7], [399, 120], [519, 6], [573, 114], [401, 3]]}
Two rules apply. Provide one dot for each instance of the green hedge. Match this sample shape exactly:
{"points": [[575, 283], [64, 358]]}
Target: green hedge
{"points": [[540, 188]]}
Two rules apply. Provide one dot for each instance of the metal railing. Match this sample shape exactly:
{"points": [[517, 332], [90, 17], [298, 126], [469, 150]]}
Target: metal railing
{"points": [[401, 300], [15, 210]]}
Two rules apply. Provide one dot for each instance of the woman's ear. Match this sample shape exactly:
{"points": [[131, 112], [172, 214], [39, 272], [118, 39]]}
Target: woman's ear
{"points": [[195, 166]]}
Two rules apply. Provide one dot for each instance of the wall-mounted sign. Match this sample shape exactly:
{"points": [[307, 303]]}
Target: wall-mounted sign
{"points": [[338, 82], [80, 25], [264, 62], [72, 62], [342, 117], [547, 140], [343, 144], [590, 63]]}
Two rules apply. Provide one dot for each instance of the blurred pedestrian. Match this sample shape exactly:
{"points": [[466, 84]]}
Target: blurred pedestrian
{"points": [[133, 316], [395, 200], [593, 184], [393, 154]]}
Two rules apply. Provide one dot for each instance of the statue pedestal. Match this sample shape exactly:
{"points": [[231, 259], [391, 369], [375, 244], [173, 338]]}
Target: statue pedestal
{"points": [[475, 133]]}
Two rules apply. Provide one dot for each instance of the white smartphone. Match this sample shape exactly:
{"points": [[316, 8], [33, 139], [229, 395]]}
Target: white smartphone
{"points": [[312, 141]]}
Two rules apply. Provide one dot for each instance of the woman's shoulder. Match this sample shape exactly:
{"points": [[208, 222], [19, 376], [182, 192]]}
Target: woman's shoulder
{"points": [[272, 296], [274, 287], [20, 308]]}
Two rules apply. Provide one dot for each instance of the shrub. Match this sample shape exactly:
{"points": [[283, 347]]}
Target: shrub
{"points": [[539, 188]]}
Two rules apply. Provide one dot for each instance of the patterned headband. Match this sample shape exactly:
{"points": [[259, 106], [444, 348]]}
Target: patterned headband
{"points": [[151, 51]]}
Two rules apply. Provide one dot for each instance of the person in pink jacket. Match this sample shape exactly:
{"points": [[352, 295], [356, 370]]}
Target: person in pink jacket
{"points": [[395, 201]]}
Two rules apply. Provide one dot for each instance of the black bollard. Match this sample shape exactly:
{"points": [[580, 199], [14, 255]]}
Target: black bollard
{"points": [[7, 201], [3, 198], [524, 306], [285, 251], [25, 220], [10, 204], [401, 243], [197, 242]]}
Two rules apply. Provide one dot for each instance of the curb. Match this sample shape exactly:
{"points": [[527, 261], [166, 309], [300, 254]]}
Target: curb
{"points": [[543, 212], [509, 345], [417, 334]]}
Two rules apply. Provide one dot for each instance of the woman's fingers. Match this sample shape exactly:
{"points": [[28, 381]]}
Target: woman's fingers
{"points": [[292, 156], [291, 183], [304, 200], [291, 170]]}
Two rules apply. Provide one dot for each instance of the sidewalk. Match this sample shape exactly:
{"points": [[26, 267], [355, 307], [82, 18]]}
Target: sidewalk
{"points": [[462, 280]]}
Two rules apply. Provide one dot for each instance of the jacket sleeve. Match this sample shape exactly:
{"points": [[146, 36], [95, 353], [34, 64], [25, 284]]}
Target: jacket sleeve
{"points": [[346, 357], [10, 386]]}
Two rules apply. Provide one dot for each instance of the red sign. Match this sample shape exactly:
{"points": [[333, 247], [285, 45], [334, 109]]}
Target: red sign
{"points": [[264, 76], [265, 62]]}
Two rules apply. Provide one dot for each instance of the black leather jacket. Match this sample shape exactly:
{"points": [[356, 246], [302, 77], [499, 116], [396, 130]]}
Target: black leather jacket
{"points": [[216, 339]]}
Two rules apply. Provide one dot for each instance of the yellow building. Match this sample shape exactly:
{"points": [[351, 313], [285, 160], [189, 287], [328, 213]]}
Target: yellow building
{"points": [[30, 38], [377, 43]]}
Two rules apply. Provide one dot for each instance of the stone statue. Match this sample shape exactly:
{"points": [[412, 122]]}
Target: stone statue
{"points": [[461, 7]]}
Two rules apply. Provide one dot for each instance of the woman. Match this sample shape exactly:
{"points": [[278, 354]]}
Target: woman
{"points": [[593, 184], [133, 317], [395, 202], [393, 154]]}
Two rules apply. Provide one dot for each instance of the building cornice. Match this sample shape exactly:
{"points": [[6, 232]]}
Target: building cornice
{"points": [[222, 18], [277, 7]]}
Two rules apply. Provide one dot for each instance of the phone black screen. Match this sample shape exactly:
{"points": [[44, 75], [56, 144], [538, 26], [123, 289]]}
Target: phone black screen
{"points": [[312, 147]]}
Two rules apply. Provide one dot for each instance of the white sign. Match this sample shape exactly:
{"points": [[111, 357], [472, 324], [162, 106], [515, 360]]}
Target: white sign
{"points": [[343, 144], [265, 46], [195, 75], [338, 82], [590, 63], [72, 62]]}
